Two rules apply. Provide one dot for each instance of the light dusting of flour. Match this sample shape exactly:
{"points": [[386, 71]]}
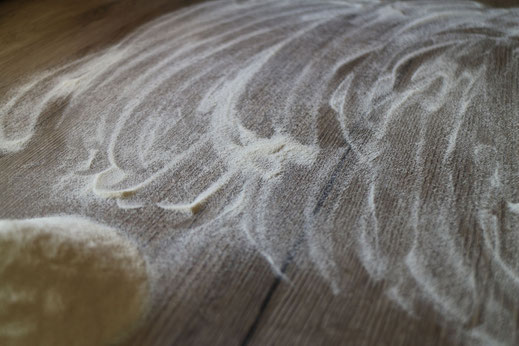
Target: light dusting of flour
{"points": [[325, 127]]}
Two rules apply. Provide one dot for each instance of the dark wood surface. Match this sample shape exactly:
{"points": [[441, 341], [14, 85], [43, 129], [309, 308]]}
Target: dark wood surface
{"points": [[225, 294]]}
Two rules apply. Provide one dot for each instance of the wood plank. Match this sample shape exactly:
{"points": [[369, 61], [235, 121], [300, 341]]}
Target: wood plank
{"points": [[366, 240]]}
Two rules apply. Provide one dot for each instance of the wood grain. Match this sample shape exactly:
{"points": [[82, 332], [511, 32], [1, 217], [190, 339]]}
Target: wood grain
{"points": [[224, 295]]}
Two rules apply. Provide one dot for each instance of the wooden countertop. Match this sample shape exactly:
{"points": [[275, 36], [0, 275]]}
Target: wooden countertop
{"points": [[226, 293]]}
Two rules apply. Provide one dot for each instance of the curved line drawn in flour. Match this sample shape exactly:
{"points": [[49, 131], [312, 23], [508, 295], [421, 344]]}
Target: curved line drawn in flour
{"points": [[366, 127]]}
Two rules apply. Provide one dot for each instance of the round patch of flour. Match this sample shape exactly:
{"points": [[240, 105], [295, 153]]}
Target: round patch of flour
{"points": [[66, 280]]}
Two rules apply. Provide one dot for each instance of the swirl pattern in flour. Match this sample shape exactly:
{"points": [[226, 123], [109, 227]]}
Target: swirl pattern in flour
{"points": [[324, 127]]}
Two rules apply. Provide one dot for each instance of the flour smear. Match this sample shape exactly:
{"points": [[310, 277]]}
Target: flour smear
{"points": [[386, 129]]}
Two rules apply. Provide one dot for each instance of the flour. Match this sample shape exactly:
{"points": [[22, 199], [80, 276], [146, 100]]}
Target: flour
{"points": [[381, 129]]}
